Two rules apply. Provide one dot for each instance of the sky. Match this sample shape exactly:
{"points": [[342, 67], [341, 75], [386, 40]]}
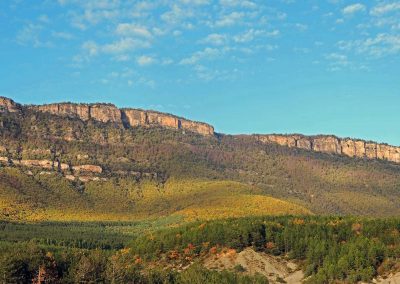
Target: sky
{"points": [[249, 66]]}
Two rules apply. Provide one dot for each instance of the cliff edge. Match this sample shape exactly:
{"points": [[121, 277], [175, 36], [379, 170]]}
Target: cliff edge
{"points": [[108, 113], [129, 117], [334, 145]]}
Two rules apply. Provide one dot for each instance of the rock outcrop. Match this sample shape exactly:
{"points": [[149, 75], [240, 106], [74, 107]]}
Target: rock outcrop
{"points": [[8, 105], [105, 113], [47, 164], [108, 113], [334, 145], [88, 169], [136, 117]]}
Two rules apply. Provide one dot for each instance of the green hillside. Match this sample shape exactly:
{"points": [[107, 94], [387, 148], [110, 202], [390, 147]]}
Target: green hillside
{"points": [[324, 249], [160, 162]]}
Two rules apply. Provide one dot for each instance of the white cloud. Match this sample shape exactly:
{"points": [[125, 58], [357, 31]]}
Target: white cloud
{"points": [[337, 57], [167, 61], [119, 47], [240, 3], [354, 8], [125, 44], [145, 60], [337, 61], [301, 27], [133, 30], [229, 19], [195, 2], [209, 53], [208, 74], [91, 48], [176, 14], [177, 33], [385, 8], [92, 4], [91, 12], [31, 35], [147, 82], [273, 33], [215, 39], [381, 45], [250, 35]]}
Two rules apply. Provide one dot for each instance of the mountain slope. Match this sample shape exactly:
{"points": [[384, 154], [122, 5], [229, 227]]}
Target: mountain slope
{"points": [[97, 159], [51, 197]]}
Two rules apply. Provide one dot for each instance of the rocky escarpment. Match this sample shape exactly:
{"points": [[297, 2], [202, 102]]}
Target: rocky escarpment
{"points": [[334, 145], [108, 113], [128, 117], [8, 105]]}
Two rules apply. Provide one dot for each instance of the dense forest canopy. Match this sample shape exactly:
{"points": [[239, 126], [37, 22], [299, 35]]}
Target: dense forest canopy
{"points": [[327, 248]]}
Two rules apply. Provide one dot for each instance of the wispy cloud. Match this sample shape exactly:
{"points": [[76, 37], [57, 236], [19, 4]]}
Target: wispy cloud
{"points": [[229, 19], [337, 61], [379, 46], [124, 45], [195, 2], [238, 3], [30, 35], [354, 8], [62, 35], [252, 34], [208, 74], [145, 60], [385, 8], [132, 29], [118, 47], [208, 53], [215, 39]]}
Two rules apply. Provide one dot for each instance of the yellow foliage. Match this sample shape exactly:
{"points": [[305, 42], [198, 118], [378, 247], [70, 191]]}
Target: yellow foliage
{"points": [[240, 206], [298, 221], [126, 200]]}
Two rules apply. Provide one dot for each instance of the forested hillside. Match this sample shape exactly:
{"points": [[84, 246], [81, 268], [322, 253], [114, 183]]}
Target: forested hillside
{"points": [[324, 249], [76, 166]]}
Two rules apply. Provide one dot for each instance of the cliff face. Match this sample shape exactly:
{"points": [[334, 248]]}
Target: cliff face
{"points": [[128, 117], [8, 105], [108, 113], [136, 117], [335, 145]]}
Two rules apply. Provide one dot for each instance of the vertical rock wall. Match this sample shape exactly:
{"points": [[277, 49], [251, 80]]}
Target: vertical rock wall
{"points": [[108, 113], [333, 145]]}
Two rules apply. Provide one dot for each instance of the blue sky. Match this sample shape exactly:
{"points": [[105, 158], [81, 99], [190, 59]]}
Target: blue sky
{"points": [[283, 66]]}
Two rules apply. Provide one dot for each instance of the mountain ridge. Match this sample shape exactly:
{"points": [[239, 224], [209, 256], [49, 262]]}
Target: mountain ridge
{"points": [[130, 117], [102, 112]]}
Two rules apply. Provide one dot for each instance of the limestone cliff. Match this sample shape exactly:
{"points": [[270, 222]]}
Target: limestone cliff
{"points": [[128, 117], [8, 105], [334, 145], [137, 117]]}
